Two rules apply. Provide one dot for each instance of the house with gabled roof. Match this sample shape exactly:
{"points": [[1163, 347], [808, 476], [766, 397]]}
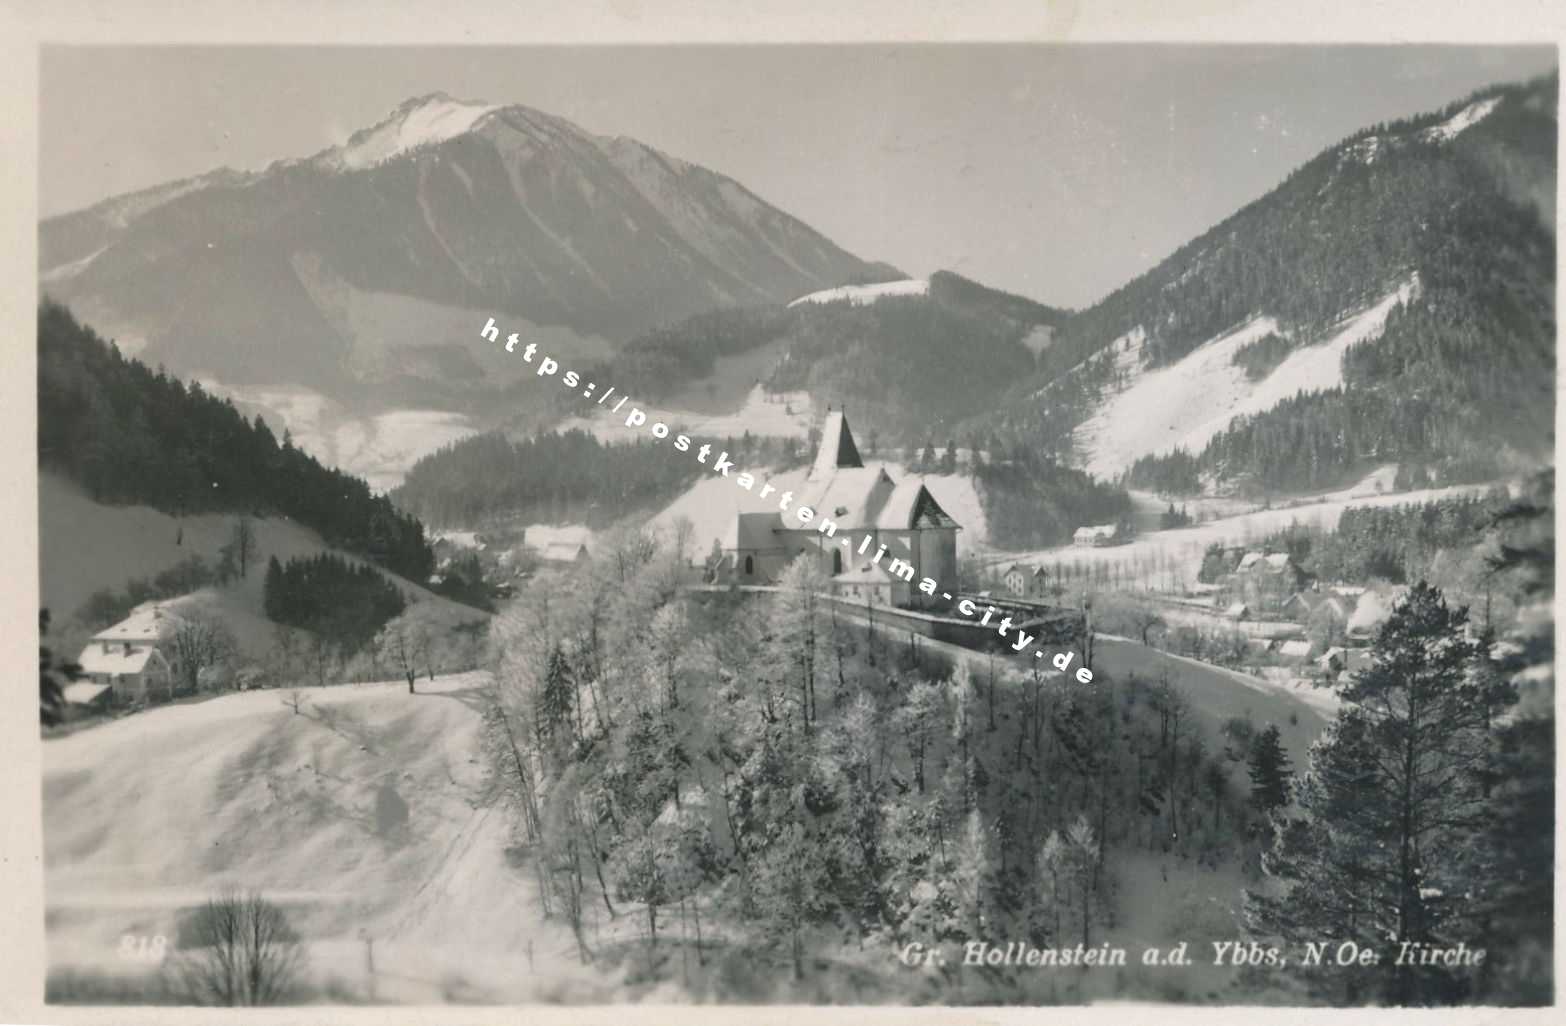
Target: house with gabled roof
{"points": [[129, 657]]}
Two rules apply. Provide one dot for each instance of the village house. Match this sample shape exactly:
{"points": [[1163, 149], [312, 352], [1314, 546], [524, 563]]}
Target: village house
{"points": [[1264, 581], [1099, 535], [1303, 606], [130, 656], [562, 552], [1026, 582], [919, 536]]}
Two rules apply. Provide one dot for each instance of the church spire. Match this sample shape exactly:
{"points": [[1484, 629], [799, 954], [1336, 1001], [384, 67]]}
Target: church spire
{"points": [[837, 448]]}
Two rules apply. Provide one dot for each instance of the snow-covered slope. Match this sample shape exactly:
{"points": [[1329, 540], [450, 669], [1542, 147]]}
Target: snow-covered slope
{"points": [[860, 295], [366, 815], [1186, 404], [1464, 119], [422, 121]]}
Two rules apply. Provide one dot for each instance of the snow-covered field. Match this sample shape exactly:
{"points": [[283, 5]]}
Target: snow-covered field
{"points": [[783, 415], [1186, 404], [365, 815], [1169, 560], [860, 295], [378, 447]]}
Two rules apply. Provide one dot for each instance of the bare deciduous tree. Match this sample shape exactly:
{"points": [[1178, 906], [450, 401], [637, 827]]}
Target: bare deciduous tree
{"points": [[295, 700], [244, 543], [238, 949], [401, 644], [197, 643]]}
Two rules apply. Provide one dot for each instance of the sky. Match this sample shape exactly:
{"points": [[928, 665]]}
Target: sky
{"points": [[1058, 172]]}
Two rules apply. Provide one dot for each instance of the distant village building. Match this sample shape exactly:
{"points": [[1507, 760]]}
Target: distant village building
{"points": [[1025, 581], [1099, 535], [1264, 581], [84, 698], [130, 656], [1304, 606], [857, 501], [562, 552]]}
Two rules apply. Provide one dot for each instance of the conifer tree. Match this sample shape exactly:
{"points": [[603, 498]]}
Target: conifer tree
{"points": [[1269, 769], [1393, 807]]}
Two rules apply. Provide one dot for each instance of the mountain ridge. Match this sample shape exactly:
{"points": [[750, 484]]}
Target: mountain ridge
{"points": [[461, 206]]}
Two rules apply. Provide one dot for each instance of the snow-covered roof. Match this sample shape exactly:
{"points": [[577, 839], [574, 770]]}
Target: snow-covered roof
{"points": [[1096, 531], [561, 551], [148, 622], [1294, 648], [83, 692], [837, 449], [851, 497], [116, 661], [909, 503], [1272, 561]]}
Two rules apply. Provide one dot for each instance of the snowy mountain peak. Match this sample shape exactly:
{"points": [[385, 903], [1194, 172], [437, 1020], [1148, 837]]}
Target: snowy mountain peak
{"points": [[417, 122]]}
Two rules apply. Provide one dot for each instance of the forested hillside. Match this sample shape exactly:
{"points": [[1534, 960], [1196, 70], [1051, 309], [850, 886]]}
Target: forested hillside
{"points": [[130, 435], [553, 476], [908, 366], [1460, 200]]}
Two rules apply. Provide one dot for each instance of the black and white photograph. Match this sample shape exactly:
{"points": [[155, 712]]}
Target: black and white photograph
{"points": [[1023, 523]]}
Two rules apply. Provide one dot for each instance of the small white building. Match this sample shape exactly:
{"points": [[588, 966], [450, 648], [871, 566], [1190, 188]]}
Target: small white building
{"points": [[872, 583], [129, 656], [1017, 579], [1099, 535]]}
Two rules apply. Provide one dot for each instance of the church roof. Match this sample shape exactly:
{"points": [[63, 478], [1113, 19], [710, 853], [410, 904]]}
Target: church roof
{"points": [[912, 505], [837, 448], [853, 497]]}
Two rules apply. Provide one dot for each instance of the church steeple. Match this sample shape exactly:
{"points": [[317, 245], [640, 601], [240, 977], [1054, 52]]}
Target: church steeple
{"points": [[837, 448]]}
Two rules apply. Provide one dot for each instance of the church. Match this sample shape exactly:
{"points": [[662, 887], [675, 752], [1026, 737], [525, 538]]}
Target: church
{"points": [[871, 511]]}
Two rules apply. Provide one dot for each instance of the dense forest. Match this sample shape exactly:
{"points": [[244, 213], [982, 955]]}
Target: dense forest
{"points": [[330, 597], [776, 794], [132, 435], [1466, 217], [553, 477], [1033, 501], [1400, 544]]}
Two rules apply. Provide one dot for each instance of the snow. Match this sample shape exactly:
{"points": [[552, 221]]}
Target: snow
{"points": [[861, 295], [423, 122], [712, 503], [243, 791], [783, 415], [1170, 560], [1188, 403], [379, 447], [70, 269], [1464, 119]]}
